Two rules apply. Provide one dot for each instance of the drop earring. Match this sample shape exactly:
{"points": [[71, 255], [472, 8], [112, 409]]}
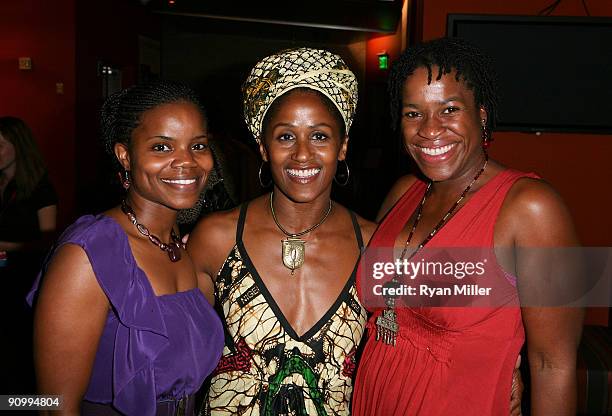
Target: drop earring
{"points": [[486, 135], [125, 179]]}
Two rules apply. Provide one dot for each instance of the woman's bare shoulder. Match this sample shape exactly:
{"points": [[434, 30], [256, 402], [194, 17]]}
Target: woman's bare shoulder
{"points": [[212, 239], [217, 228], [532, 204], [532, 197], [366, 227]]}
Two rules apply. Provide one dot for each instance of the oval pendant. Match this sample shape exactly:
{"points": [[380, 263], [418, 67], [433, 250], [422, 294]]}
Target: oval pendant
{"points": [[293, 251], [174, 253]]}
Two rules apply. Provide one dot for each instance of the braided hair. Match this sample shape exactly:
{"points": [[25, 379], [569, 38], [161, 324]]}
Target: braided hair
{"points": [[446, 55], [122, 111]]}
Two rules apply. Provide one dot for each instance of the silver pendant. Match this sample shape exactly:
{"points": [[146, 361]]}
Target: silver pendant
{"points": [[387, 327], [293, 253]]}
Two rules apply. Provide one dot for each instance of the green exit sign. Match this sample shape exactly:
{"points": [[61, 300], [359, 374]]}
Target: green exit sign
{"points": [[383, 61]]}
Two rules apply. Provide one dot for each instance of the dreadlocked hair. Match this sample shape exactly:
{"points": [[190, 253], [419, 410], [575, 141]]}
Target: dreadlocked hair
{"points": [[446, 55], [122, 111]]}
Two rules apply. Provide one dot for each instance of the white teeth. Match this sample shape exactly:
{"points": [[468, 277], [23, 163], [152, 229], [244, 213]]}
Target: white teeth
{"points": [[303, 173], [435, 151], [180, 181]]}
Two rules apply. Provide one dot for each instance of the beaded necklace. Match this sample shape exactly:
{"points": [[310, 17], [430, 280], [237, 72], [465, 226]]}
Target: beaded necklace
{"points": [[173, 248], [386, 323]]}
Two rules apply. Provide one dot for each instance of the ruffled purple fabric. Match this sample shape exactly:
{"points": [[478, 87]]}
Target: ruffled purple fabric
{"points": [[139, 325]]}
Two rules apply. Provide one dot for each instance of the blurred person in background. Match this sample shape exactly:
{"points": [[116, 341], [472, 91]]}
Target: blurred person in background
{"points": [[28, 211], [28, 208]]}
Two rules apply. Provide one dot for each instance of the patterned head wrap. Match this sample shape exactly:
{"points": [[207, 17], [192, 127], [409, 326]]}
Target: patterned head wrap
{"points": [[316, 69]]}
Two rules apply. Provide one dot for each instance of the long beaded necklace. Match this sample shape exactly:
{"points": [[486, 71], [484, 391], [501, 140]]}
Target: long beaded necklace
{"points": [[173, 248], [386, 323], [293, 248]]}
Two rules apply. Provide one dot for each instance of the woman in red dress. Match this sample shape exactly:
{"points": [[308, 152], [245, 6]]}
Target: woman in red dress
{"points": [[424, 360]]}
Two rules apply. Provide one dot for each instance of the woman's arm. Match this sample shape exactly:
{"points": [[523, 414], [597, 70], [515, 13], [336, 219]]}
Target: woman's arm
{"points": [[541, 223], [69, 318], [47, 218], [11, 246], [553, 335], [47, 222]]}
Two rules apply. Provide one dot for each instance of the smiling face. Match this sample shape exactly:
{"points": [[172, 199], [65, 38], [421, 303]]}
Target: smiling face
{"points": [[168, 156], [303, 141], [441, 126]]}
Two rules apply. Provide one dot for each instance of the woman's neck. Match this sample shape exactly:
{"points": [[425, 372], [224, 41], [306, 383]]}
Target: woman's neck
{"points": [[159, 219], [296, 217], [458, 185]]}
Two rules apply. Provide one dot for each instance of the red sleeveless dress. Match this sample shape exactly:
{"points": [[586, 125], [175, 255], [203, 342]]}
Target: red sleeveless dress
{"points": [[447, 360]]}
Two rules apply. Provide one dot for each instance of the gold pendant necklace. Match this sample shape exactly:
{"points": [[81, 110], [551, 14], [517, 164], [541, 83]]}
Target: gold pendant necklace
{"points": [[387, 326], [293, 248]]}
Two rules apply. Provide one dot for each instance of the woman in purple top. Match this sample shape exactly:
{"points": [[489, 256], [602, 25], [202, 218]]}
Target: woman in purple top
{"points": [[122, 325]]}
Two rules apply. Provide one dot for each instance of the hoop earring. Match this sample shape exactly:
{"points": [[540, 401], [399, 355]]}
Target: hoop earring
{"points": [[259, 175], [486, 135], [125, 179], [342, 178]]}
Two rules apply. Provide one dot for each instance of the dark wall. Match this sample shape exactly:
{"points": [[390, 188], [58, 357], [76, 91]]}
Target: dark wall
{"points": [[66, 40], [107, 33]]}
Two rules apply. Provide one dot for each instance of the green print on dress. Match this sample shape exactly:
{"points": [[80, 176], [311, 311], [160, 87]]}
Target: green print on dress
{"points": [[295, 364]]}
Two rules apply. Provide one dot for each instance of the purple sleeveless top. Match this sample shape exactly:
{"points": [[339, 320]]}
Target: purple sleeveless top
{"points": [[153, 348]]}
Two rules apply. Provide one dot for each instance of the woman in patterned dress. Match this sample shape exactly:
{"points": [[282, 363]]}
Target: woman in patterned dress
{"points": [[292, 318], [292, 327]]}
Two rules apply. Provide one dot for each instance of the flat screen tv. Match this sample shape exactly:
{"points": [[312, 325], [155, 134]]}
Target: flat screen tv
{"points": [[555, 73]]}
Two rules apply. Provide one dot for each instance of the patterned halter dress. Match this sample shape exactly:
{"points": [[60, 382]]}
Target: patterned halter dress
{"points": [[266, 368]]}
